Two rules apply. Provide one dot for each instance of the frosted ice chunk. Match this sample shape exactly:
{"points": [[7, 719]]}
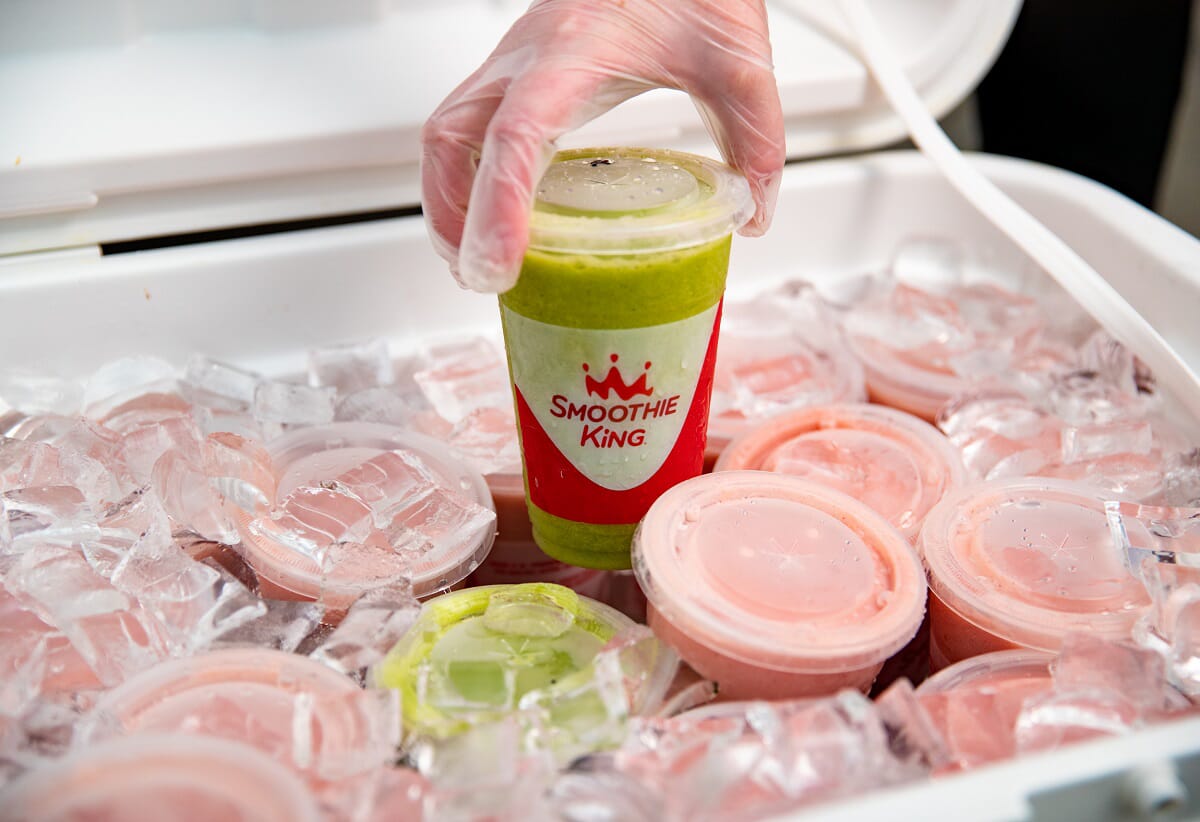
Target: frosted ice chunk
{"points": [[372, 626], [438, 520], [378, 405], [464, 376], [190, 500], [213, 383], [487, 439], [40, 394], [240, 470], [931, 264], [48, 514], [1081, 443], [312, 519], [102, 623], [284, 626], [121, 380], [390, 483], [286, 403], [351, 366], [485, 772], [141, 448]]}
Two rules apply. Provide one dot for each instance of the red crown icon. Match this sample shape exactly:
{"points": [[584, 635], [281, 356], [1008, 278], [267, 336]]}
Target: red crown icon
{"points": [[613, 382]]}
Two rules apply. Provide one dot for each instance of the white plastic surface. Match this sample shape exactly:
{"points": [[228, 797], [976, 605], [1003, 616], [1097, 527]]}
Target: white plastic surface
{"points": [[136, 118], [261, 302]]}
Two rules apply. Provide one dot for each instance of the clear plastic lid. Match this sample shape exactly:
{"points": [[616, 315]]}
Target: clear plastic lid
{"points": [[894, 462], [1031, 560], [245, 694], [635, 200], [167, 778], [779, 572], [473, 654], [380, 466], [996, 668]]}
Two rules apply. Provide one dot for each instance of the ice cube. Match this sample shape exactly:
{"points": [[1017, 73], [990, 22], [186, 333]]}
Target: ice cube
{"points": [[284, 403], [219, 385], [231, 611], [284, 626], [39, 393], [485, 772], [310, 520], [193, 504], [487, 439], [390, 482], [107, 628], [439, 520], [121, 380], [372, 627], [378, 405], [463, 376], [603, 795], [141, 448], [351, 367], [1082, 443], [58, 514], [240, 470], [929, 263]]}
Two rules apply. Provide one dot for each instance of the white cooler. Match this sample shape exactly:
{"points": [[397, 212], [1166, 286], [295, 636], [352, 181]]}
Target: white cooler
{"points": [[134, 123]]}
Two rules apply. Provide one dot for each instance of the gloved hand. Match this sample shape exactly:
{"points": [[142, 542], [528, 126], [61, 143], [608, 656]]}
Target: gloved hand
{"points": [[564, 63]]}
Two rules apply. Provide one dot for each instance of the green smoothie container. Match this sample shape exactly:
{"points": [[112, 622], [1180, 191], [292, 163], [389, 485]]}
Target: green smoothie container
{"points": [[611, 333], [482, 654]]}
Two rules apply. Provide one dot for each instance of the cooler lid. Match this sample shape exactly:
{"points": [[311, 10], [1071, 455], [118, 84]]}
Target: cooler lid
{"points": [[126, 119]]}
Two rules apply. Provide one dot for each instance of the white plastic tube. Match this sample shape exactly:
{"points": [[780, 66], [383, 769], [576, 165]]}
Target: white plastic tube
{"points": [[1080, 280]]}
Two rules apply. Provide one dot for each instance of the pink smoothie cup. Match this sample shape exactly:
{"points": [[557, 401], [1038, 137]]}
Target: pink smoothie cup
{"points": [[974, 704], [895, 463], [775, 587], [249, 695], [1021, 564], [166, 778], [311, 456]]}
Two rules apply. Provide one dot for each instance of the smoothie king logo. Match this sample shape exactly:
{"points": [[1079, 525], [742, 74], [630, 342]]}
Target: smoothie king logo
{"points": [[597, 419]]}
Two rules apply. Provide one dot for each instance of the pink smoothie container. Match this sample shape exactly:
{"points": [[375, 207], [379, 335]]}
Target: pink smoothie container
{"points": [[253, 696], [1022, 563], [165, 778], [974, 704], [896, 463], [515, 558], [312, 456], [775, 587]]}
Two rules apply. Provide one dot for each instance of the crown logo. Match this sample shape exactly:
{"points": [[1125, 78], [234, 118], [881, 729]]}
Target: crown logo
{"points": [[613, 382]]}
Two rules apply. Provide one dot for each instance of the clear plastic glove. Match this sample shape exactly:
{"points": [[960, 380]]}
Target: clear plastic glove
{"points": [[564, 63]]}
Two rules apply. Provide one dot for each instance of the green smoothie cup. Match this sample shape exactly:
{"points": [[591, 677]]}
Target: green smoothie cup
{"points": [[480, 655], [611, 333]]}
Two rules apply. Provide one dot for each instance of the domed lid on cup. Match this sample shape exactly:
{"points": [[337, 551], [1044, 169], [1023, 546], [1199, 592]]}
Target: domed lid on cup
{"points": [[622, 200], [246, 694], [473, 654], [1031, 560], [988, 670], [779, 572], [894, 462], [352, 474], [172, 778]]}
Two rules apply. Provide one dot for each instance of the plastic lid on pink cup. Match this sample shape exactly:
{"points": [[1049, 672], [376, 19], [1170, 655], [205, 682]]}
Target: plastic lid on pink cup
{"points": [[1031, 560], [779, 572], [894, 462], [311, 456], [1020, 666], [167, 778], [246, 694]]}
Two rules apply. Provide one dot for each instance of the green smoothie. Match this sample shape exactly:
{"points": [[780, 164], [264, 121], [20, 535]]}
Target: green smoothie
{"points": [[611, 336], [474, 654]]}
